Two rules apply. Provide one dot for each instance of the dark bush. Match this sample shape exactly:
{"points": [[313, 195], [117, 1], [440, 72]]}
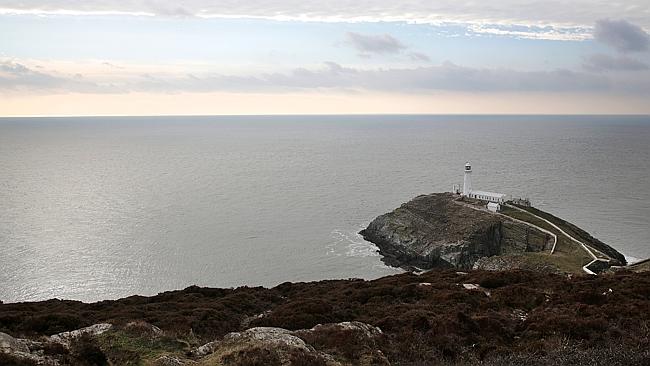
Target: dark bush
{"points": [[426, 319], [302, 358], [86, 352], [10, 360], [53, 323], [253, 357]]}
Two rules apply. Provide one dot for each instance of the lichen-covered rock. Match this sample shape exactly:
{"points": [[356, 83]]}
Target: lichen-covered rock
{"points": [[278, 346], [510, 262], [366, 330], [20, 349], [437, 231], [9, 344], [93, 330], [168, 360], [143, 329]]}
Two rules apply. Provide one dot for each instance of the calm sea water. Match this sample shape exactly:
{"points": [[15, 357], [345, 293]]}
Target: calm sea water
{"points": [[99, 208]]}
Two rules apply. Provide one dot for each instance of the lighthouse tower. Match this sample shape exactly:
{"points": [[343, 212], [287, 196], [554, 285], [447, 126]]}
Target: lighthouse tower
{"points": [[467, 183]]}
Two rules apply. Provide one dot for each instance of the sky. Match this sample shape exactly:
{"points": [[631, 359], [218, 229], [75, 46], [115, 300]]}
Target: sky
{"points": [[199, 57]]}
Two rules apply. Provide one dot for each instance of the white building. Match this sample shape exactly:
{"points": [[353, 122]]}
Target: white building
{"points": [[480, 195], [494, 207]]}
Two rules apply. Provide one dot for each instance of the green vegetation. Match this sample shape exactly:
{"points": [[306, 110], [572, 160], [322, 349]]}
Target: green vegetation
{"points": [[128, 348], [601, 249], [569, 256]]}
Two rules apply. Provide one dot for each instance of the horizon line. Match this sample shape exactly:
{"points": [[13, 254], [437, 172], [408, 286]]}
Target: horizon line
{"points": [[325, 115]]}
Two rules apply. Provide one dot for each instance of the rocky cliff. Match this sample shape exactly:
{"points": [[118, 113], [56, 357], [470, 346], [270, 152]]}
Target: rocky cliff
{"points": [[437, 230]]}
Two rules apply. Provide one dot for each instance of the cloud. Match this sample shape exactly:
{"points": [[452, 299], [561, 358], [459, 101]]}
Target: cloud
{"points": [[331, 76], [381, 44], [600, 62], [621, 35], [375, 44], [551, 19], [18, 77], [417, 56]]}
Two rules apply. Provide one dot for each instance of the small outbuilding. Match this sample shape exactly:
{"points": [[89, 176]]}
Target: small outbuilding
{"points": [[494, 207]]}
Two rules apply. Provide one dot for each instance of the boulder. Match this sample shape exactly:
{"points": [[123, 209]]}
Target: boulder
{"points": [[9, 344], [143, 329], [93, 330], [168, 360], [366, 330], [275, 337], [284, 347], [20, 350]]}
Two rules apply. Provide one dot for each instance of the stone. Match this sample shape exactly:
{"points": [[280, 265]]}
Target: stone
{"points": [[366, 330], [205, 349], [93, 330], [283, 343], [475, 287], [168, 360], [9, 344], [20, 348], [143, 328], [276, 337]]}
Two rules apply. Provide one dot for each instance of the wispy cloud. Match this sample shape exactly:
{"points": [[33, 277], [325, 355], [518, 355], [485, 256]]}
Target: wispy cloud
{"points": [[377, 44], [444, 77], [381, 44], [418, 56], [527, 19], [622, 35], [601, 62]]}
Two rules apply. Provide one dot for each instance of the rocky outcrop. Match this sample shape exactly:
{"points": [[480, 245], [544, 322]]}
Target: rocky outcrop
{"points": [[510, 262], [66, 337], [280, 346], [24, 351], [9, 344], [437, 231]]}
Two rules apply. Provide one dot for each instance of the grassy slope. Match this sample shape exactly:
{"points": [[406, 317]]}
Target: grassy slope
{"points": [[568, 256], [601, 248]]}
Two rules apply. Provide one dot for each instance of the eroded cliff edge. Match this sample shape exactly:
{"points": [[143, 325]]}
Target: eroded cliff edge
{"points": [[441, 230]]}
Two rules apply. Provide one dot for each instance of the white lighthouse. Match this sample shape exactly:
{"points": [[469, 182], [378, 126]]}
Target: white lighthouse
{"points": [[467, 183]]}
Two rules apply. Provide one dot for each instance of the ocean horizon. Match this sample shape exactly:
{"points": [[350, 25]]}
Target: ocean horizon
{"points": [[95, 208]]}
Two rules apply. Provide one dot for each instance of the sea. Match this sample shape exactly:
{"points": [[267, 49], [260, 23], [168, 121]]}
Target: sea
{"points": [[108, 207]]}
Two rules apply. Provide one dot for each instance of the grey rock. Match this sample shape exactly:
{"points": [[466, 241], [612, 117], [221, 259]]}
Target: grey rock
{"points": [[367, 330], [437, 231], [9, 344], [20, 348], [66, 337], [144, 328], [205, 349], [168, 360], [276, 337]]}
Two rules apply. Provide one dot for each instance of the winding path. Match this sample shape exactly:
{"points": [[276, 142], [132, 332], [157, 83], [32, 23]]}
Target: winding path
{"points": [[516, 220], [584, 246]]}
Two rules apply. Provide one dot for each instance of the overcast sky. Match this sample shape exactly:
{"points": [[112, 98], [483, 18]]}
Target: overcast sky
{"points": [[102, 57]]}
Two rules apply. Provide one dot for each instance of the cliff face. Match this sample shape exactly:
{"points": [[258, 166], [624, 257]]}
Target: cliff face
{"points": [[436, 231]]}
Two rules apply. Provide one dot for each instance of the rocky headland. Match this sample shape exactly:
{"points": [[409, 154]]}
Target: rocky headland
{"points": [[444, 230]]}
